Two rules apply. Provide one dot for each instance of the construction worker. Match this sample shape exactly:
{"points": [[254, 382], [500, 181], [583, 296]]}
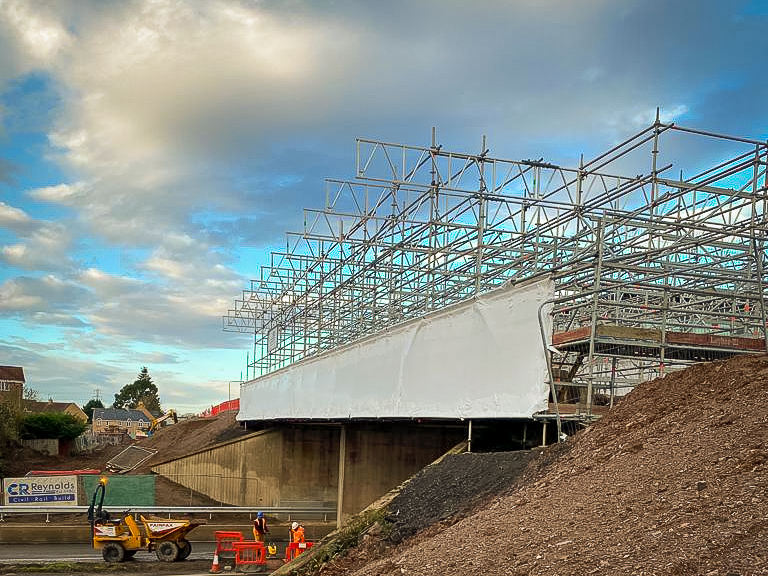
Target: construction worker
{"points": [[297, 543], [297, 532], [260, 527]]}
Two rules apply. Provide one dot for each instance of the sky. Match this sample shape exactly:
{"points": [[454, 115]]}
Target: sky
{"points": [[154, 152]]}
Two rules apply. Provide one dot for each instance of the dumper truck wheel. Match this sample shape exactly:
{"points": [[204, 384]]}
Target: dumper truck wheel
{"points": [[185, 549], [113, 552], [167, 551]]}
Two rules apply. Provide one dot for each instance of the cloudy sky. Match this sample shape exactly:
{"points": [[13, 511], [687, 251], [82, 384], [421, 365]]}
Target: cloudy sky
{"points": [[153, 152]]}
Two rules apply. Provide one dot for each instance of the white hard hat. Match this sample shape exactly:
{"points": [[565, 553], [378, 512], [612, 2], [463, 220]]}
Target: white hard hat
{"points": [[294, 525]]}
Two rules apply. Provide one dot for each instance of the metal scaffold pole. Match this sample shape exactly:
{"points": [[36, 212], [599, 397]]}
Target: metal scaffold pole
{"points": [[650, 269]]}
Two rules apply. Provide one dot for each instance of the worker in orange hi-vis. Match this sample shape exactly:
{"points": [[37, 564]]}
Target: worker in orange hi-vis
{"points": [[260, 527], [297, 532], [297, 544]]}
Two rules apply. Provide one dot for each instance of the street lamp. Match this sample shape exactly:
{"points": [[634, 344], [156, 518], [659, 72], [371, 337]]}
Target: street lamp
{"points": [[229, 398]]}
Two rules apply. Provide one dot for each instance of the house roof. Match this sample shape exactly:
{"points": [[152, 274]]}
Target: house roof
{"points": [[12, 374], [50, 406], [119, 414]]}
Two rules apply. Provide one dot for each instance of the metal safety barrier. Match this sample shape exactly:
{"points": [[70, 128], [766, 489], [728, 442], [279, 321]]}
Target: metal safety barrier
{"points": [[289, 511]]}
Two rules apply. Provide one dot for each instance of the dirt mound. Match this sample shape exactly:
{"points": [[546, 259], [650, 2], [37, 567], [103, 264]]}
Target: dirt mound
{"points": [[671, 481], [190, 436]]}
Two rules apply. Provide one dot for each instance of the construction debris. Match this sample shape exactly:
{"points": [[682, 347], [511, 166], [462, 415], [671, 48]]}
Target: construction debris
{"points": [[129, 459]]}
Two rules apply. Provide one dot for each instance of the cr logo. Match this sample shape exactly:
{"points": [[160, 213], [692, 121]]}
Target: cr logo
{"points": [[15, 489]]}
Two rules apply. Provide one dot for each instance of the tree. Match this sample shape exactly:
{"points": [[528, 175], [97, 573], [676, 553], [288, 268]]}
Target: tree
{"points": [[10, 419], [58, 425], [30, 394], [141, 390], [90, 405]]}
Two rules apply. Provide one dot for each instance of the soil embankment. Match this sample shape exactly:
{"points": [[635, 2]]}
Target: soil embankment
{"points": [[671, 482]]}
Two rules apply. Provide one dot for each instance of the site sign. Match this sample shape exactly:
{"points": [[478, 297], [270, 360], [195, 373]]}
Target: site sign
{"points": [[37, 490]]}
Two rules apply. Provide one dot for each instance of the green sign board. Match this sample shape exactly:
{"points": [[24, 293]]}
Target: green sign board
{"points": [[135, 490]]}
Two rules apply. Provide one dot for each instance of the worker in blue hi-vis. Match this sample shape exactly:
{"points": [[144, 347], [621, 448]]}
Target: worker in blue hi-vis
{"points": [[260, 527]]}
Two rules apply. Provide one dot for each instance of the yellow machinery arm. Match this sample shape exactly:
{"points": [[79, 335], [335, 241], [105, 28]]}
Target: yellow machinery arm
{"points": [[157, 421]]}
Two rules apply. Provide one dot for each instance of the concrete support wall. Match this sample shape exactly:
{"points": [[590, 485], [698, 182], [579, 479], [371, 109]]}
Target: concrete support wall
{"points": [[381, 456], [310, 464], [299, 463], [245, 472]]}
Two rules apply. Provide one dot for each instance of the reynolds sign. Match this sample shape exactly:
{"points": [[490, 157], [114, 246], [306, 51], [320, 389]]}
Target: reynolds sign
{"points": [[53, 490]]}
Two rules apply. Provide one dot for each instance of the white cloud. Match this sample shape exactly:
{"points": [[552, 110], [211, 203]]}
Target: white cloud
{"points": [[13, 217], [164, 98], [177, 76], [44, 248], [29, 296], [15, 254], [181, 309], [645, 117], [167, 268], [13, 298], [191, 265], [107, 287], [40, 34], [56, 319], [61, 193]]}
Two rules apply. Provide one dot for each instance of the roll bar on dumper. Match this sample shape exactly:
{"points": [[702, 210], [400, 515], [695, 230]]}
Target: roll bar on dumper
{"points": [[121, 538]]}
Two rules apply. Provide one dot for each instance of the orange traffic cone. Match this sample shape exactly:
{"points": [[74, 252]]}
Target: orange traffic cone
{"points": [[215, 568]]}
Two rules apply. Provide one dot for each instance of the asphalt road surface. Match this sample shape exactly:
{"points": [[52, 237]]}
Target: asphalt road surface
{"points": [[144, 563], [21, 553]]}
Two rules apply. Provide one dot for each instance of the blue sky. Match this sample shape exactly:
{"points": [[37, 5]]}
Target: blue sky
{"points": [[153, 152]]}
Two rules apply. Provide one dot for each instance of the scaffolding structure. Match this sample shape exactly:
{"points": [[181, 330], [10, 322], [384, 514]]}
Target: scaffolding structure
{"points": [[656, 248]]}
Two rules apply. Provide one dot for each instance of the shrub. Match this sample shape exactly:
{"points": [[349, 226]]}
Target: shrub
{"points": [[52, 425]]}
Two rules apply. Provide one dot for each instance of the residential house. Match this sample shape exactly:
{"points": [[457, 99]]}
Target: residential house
{"points": [[33, 407], [12, 385], [119, 420]]}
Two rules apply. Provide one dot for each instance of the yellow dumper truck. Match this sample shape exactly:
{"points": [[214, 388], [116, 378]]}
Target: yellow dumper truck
{"points": [[122, 538]]}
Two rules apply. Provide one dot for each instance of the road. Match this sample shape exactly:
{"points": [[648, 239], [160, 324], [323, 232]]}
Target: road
{"points": [[23, 553], [144, 564], [199, 562]]}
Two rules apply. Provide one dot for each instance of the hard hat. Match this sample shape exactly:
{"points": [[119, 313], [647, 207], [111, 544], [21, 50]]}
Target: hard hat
{"points": [[294, 525], [260, 515]]}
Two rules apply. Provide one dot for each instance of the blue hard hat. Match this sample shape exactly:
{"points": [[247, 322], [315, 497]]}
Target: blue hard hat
{"points": [[260, 515]]}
